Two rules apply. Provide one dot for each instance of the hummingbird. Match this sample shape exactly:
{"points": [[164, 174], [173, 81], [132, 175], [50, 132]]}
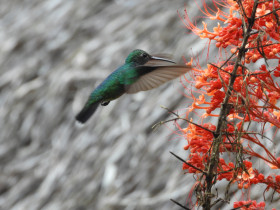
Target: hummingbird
{"points": [[140, 72]]}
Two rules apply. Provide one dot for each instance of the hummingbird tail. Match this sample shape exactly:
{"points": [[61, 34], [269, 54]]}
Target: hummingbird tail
{"points": [[86, 112]]}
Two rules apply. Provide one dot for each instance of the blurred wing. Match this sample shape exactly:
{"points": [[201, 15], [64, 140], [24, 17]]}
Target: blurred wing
{"points": [[157, 77]]}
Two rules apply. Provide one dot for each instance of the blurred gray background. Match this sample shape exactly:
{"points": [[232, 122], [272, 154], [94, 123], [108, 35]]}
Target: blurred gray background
{"points": [[52, 55]]}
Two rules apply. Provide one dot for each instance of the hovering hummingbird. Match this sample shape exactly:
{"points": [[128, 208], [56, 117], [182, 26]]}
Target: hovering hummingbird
{"points": [[140, 72]]}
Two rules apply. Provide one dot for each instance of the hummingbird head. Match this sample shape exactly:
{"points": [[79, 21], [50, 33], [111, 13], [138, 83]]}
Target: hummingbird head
{"points": [[140, 57]]}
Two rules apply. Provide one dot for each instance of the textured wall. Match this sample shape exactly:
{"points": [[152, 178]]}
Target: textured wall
{"points": [[53, 53]]}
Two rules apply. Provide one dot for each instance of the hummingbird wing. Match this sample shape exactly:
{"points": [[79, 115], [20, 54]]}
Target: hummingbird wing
{"points": [[154, 76]]}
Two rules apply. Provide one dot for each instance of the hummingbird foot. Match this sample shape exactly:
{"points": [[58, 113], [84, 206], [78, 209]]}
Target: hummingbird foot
{"points": [[105, 103]]}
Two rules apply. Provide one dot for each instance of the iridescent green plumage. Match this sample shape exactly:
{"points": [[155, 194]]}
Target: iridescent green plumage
{"points": [[140, 72]]}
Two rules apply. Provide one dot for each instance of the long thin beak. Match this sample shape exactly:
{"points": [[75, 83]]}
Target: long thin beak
{"points": [[162, 59]]}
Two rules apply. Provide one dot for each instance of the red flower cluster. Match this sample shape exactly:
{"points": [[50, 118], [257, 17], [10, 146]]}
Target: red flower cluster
{"points": [[232, 35], [249, 205], [253, 97], [199, 142], [271, 181]]}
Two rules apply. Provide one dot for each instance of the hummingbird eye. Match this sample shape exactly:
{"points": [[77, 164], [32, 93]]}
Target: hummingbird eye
{"points": [[144, 55]]}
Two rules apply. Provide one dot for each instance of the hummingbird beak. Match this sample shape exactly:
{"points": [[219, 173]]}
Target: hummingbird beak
{"points": [[161, 59]]}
